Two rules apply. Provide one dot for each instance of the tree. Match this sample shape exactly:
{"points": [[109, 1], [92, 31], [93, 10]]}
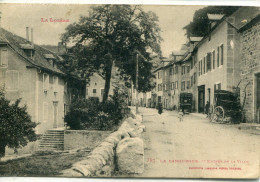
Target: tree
{"points": [[16, 127], [200, 24], [111, 35]]}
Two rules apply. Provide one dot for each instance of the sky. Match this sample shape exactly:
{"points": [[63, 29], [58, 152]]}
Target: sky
{"points": [[16, 17]]}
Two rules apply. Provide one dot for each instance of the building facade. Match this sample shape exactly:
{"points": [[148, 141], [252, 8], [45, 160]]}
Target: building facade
{"points": [[30, 72], [250, 64], [218, 61]]}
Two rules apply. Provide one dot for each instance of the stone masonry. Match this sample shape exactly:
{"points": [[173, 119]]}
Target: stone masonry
{"points": [[250, 56]]}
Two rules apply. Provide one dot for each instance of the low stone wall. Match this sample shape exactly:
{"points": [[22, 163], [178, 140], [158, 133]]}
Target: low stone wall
{"points": [[77, 139], [102, 161]]}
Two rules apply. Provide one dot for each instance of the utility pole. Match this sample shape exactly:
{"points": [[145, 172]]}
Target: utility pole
{"points": [[136, 85]]}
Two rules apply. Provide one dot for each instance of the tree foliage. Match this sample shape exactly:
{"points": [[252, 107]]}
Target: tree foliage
{"points": [[200, 24], [111, 35], [92, 115], [16, 127]]}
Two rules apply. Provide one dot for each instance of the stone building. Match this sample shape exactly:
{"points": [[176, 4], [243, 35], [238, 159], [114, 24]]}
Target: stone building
{"points": [[218, 59], [95, 87], [32, 73], [249, 28]]}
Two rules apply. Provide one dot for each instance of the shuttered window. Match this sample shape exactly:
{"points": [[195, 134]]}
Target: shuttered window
{"points": [[45, 82], [213, 59], [208, 62], [55, 83], [221, 54], [12, 80], [3, 58]]}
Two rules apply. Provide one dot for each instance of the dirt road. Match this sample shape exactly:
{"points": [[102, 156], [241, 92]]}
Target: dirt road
{"points": [[196, 147]]}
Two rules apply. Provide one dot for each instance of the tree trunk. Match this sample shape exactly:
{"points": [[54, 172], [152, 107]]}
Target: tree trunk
{"points": [[2, 150], [108, 70]]}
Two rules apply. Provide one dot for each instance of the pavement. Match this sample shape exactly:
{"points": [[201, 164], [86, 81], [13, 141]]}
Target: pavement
{"points": [[197, 148]]}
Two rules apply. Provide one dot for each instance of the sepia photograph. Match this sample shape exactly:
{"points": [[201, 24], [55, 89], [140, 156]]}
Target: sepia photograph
{"points": [[129, 91]]}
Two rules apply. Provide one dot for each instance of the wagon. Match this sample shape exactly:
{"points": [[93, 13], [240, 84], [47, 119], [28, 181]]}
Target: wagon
{"points": [[226, 104], [186, 102]]}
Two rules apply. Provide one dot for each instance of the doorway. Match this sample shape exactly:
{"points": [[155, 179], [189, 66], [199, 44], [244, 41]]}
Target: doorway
{"points": [[201, 98]]}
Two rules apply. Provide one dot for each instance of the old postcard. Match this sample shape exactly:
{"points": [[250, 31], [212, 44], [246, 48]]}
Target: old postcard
{"points": [[136, 91]]}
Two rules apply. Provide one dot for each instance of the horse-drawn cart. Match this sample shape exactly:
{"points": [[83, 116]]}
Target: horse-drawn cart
{"points": [[226, 104]]}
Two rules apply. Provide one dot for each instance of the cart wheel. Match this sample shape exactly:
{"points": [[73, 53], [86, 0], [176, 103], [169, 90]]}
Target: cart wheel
{"points": [[218, 114]]}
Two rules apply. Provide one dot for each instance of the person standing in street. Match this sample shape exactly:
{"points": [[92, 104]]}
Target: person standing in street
{"points": [[160, 111]]}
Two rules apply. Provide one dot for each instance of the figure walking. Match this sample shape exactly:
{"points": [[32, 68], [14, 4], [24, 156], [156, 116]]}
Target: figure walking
{"points": [[160, 111], [180, 115]]}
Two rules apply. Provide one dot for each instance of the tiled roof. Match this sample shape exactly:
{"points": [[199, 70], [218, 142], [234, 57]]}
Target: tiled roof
{"points": [[18, 43], [244, 16]]}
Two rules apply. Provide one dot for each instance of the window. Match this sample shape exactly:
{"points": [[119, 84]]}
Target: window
{"points": [[171, 71], [12, 80], [45, 82], [176, 85], [192, 62], [183, 70], [45, 112], [165, 87], [94, 91], [199, 67], [218, 57], [194, 77], [221, 54], [159, 75], [213, 60], [172, 85], [191, 81], [176, 70], [55, 83], [188, 69], [208, 57], [217, 86], [102, 91], [183, 85], [4, 59], [204, 65], [160, 87], [188, 84]]}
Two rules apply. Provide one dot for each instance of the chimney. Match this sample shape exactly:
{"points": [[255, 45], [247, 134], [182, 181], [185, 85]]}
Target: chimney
{"points": [[27, 33], [32, 36]]}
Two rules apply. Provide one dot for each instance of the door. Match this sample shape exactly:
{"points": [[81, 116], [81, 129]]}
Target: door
{"points": [[258, 98], [201, 100], [55, 114]]}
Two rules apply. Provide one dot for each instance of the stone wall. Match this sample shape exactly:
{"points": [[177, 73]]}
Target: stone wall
{"points": [[250, 66], [76, 139], [102, 161]]}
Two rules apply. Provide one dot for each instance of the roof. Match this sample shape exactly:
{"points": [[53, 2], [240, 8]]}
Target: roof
{"points": [[245, 15], [215, 17], [188, 56], [18, 43], [195, 39]]}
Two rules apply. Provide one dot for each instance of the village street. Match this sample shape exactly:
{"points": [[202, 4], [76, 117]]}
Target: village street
{"points": [[196, 146]]}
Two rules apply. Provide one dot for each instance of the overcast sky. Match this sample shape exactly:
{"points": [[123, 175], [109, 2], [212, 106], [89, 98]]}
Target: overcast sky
{"points": [[15, 17]]}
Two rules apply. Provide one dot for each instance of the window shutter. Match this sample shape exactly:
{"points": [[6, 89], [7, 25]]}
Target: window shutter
{"points": [[4, 60]]}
